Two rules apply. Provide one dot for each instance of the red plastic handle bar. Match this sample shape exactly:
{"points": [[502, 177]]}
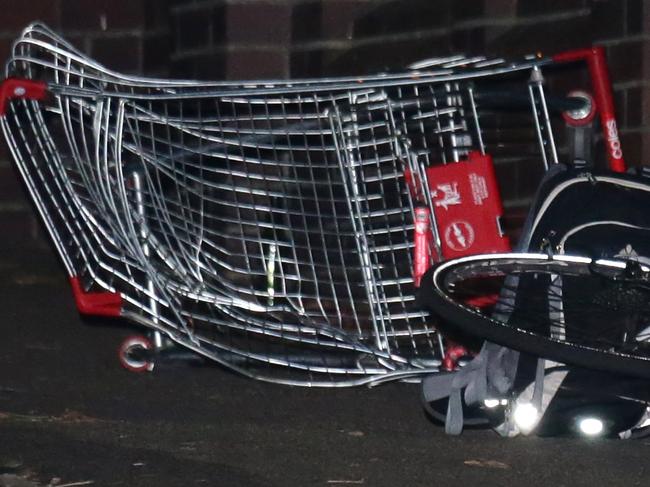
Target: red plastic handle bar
{"points": [[12, 88], [602, 86], [422, 220]]}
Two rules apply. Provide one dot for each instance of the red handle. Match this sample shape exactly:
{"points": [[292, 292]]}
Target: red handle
{"points": [[602, 86], [422, 220]]}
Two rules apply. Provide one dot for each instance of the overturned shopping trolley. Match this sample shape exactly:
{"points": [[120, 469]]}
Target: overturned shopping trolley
{"points": [[269, 226]]}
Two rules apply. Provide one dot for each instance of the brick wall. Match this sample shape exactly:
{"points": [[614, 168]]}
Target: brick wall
{"points": [[229, 39], [128, 35]]}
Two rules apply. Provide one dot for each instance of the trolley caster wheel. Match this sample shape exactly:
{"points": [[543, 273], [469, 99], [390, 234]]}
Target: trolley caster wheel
{"points": [[135, 354]]}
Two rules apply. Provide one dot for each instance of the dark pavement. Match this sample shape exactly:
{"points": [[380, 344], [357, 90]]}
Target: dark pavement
{"points": [[70, 415]]}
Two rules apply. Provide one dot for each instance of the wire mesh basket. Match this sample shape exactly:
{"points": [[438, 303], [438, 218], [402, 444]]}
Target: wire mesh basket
{"points": [[266, 225]]}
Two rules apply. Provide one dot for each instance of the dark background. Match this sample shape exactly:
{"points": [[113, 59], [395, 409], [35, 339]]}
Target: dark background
{"points": [[234, 39]]}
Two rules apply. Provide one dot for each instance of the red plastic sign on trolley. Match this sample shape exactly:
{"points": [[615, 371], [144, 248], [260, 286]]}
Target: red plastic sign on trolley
{"points": [[467, 207]]}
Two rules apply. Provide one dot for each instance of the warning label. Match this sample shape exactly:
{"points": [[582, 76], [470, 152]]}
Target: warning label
{"points": [[479, 188]]}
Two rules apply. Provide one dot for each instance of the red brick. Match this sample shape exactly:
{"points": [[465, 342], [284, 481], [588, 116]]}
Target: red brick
{"points": [[338, 18], [634, 17], [526, 8], [17, 14], [258, 22], [395, 17], [193, 29], [634, 107], [156, 14], [626, 61], [467, 9], [608, 19], [620, 103], [348, 61], [645, 148], [209, 67], [155, 54], [183, 68], [219, 25], [348, 19], [307, 64], [469, 41], [645, 107], [500, 8], [87, 15], [308, 21], [379, 55], [577, 32], [251, 64], [121, 54]]}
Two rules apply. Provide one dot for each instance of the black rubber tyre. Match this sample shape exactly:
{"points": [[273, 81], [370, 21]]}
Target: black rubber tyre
{"points": [[622, 300]]}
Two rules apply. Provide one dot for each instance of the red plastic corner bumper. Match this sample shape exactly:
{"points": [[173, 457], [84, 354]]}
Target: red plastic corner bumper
{"points": [[96, 303], [20, 88]]}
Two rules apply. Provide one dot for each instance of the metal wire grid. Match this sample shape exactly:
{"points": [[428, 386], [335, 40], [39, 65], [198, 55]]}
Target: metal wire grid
{"points": [[266, 226]]}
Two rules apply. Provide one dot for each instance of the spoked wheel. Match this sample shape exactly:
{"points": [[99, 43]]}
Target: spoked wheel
{"points": [[135, 354], [569, 309]]}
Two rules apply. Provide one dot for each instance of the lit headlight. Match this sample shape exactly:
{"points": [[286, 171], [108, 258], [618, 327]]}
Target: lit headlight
{"points": [[525, 416], [491, 403], [590, 426]]}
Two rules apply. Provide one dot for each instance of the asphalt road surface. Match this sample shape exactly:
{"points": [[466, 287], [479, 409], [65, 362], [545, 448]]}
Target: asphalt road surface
{"points": [[70, 415]]}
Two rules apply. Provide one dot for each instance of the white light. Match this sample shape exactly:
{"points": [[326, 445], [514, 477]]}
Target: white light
{"points": [[491, 403], [591, 426], [504, 402], [525, 416]]}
